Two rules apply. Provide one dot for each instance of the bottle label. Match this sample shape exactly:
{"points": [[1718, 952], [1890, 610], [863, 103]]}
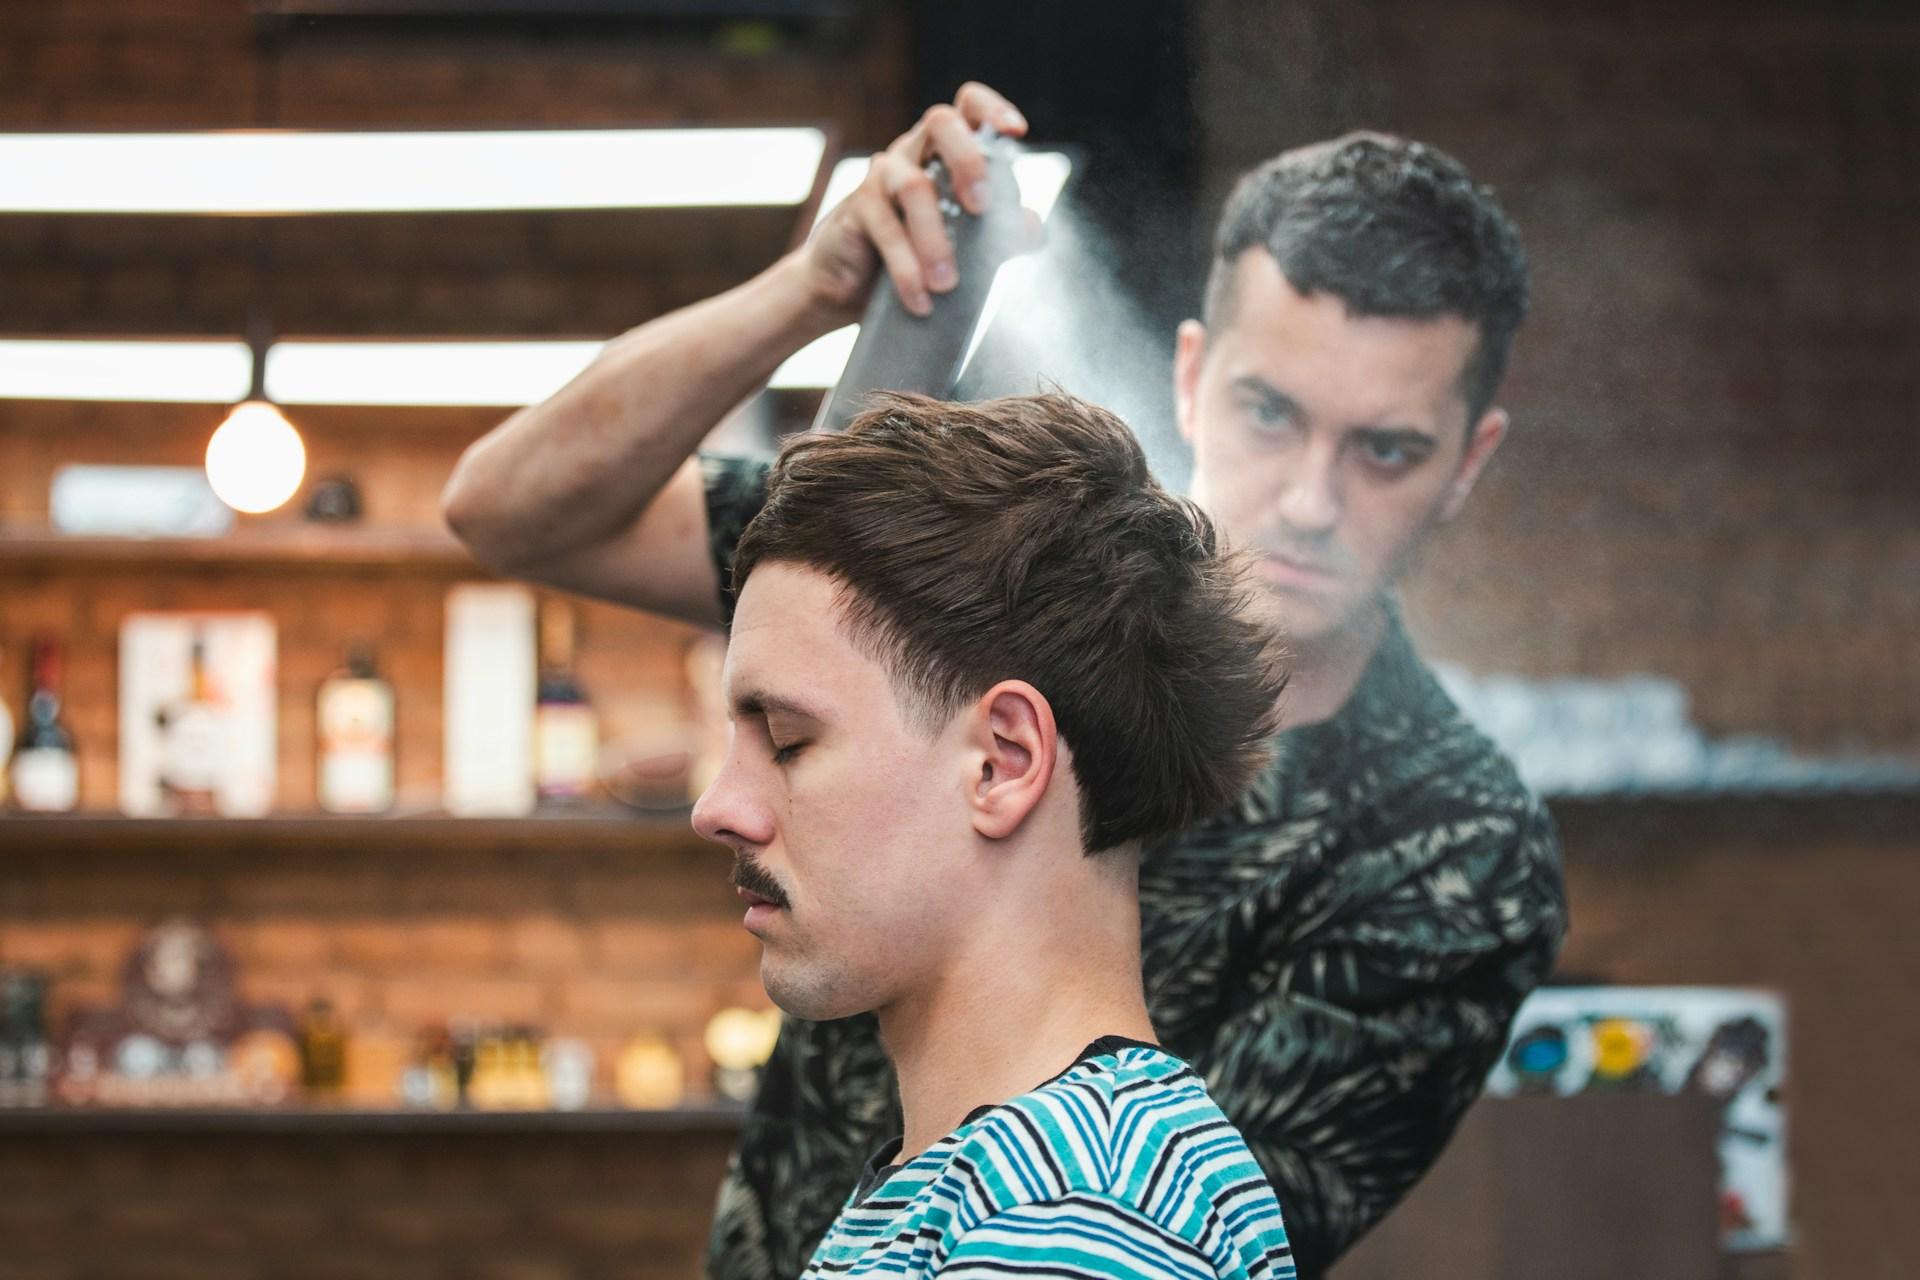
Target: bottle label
{"points": [[356, 781], [46, 780], [566, 749], [356, 746]]}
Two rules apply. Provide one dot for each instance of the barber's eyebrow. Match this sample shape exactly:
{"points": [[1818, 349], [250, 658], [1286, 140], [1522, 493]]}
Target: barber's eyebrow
{"points": [[1274, 396], [1400, 435], [1397, 433], [758, 702]]}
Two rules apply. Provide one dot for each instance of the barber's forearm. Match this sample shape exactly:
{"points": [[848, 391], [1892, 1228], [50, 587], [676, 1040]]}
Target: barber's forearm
{"points": [[583, 465]]}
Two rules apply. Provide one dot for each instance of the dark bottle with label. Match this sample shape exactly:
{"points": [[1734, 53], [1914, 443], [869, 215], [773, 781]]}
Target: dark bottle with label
{"points": [[46, 771], [566, 733]]}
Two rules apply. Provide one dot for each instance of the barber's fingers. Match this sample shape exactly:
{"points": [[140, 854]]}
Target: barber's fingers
{"points": [[883, 207], [945, 134], [917, 197], [982, 105]]}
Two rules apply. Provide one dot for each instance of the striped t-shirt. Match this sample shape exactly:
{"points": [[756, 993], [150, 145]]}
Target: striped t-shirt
{"points": [[1119, 1167]]}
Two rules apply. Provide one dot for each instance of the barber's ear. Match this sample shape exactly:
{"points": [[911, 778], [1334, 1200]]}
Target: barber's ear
{"points": [[1481, 443], [1013, 749], [1189, 354]]}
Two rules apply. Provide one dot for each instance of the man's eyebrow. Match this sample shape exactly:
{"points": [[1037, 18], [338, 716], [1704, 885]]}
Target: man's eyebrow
{"points": [[757, 702]]}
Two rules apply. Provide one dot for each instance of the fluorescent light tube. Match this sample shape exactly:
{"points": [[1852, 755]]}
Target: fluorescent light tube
{"points": [[818, 364], [423, 373], [479, 373], [296, 172], [154, 371]]}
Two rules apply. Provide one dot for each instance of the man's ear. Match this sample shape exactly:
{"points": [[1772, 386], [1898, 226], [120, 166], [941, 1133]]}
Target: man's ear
{"points": [[1481, 443], [1014, 747], [1189, 354]]}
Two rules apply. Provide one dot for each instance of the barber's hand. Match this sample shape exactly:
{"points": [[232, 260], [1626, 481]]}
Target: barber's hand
{"points": [[893, 218]]}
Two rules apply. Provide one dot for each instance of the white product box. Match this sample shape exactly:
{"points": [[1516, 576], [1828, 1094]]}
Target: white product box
{"points": [[490, 687], [198, 708]]}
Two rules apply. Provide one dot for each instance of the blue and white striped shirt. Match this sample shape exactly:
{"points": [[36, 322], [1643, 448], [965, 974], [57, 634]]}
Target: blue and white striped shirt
{"points": [[1119, 1167]]}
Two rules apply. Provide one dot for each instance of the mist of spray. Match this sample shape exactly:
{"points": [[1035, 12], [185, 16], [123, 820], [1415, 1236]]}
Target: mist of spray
{"points": [[1062, 319]]}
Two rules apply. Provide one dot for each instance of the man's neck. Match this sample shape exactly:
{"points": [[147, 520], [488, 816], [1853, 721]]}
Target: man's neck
{"points": [[1012, 1015], [1327, 669]]}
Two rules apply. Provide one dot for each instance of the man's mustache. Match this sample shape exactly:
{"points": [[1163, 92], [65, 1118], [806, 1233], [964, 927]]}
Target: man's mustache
{"points": [[756, 880]]}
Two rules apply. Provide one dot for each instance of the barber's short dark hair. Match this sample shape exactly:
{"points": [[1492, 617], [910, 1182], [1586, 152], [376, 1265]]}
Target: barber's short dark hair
{"points": [[1024, 538], [1389, 227]]}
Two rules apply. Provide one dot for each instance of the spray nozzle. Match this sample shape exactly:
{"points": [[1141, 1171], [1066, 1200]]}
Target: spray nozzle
{"points": [[899, 351]]}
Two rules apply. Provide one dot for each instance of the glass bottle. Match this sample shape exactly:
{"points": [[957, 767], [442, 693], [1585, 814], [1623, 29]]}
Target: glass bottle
{"points": [[355, 715], [566, 734], [46, 770], [193, 750]]}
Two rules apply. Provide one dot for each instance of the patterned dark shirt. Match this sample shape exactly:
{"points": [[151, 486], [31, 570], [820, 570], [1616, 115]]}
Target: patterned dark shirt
{"points": [[1339, 956]]}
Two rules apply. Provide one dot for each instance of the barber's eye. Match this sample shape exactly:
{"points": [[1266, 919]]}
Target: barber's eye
{"points": [[1270, 417], [1390, 454]]}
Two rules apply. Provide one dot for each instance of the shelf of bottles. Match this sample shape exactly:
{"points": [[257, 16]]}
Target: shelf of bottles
{"points": [[196, 732], [181, 1046]]}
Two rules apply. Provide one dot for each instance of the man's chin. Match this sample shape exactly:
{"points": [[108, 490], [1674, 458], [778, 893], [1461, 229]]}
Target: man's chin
{"points": [[808, 996]]}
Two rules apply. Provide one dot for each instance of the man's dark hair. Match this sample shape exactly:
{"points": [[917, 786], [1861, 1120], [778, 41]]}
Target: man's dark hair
{"points": [[1389, 227], [1024, 538]]}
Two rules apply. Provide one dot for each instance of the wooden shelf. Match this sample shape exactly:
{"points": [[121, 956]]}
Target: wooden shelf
{"points": [[589, 829], [1666, 822], [295, 545], [715, 1118]]}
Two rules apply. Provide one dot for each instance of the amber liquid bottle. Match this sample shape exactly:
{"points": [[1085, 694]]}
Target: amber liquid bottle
{"points": [[566, 733]]}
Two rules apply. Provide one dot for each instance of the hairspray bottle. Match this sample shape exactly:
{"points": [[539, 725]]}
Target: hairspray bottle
{"points": [[899, 351]]}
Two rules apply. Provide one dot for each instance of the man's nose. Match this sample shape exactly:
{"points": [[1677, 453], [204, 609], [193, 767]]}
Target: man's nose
{"points": [[725, 812], [1310, 499], [709, 811]]}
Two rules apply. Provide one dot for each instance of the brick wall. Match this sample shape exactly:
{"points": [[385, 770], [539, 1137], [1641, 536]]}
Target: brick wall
{"points": [[1710, 474], [393, 1206]]}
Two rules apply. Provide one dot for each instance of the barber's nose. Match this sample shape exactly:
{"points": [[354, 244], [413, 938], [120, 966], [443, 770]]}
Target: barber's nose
{"points": [[1310, 499]]}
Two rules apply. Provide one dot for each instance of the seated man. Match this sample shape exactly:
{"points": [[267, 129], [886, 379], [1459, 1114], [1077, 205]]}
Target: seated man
{"points": [[979, 655]]}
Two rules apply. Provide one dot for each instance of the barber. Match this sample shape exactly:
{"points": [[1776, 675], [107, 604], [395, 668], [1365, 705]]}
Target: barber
{"points": [[1340, 953]]}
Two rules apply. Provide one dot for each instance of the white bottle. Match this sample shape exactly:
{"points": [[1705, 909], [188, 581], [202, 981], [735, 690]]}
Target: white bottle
{"points": [[356, 739]]}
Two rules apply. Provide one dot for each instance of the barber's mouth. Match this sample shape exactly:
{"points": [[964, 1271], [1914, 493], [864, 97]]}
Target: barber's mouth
{"points": [[1286, 571]]}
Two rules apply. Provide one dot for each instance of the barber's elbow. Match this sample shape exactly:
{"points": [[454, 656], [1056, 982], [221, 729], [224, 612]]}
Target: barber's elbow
{"points": [[464, 507]]}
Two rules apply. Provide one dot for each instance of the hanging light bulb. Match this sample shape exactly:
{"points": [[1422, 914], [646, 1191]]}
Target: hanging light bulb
{"points": [[255, 460]]}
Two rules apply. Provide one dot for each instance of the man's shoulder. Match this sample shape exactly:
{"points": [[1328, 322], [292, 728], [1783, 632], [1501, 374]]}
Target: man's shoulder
{"points": [[1414, 743], [1134, 1124]]}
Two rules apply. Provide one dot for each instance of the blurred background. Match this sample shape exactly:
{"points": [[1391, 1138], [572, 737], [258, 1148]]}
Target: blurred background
{"points": [[349, 1004]]}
